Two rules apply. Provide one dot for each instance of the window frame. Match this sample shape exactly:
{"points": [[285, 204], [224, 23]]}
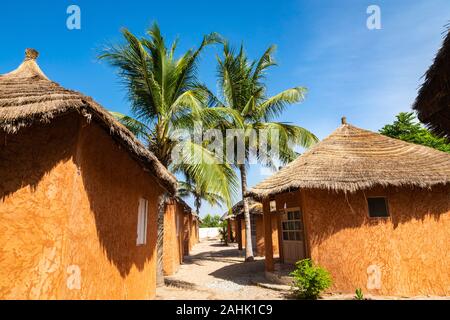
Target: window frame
{"points": [[301, 231], [142, 222], [386, 199]]}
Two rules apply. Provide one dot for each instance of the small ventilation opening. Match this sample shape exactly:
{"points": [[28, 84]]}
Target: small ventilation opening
{"points": [[378, 207]]}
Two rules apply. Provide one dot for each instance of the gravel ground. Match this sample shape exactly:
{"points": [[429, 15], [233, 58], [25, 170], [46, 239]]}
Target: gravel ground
{"points": [[214, 271], [217, 272]]}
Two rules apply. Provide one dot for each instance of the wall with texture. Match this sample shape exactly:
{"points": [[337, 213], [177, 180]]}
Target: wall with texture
{"points": [[406, 254], [68, 215]]}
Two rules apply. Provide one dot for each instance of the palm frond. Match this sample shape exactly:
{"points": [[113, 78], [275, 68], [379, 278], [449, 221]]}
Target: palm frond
{"points": [[274, 106], [207, 170]]}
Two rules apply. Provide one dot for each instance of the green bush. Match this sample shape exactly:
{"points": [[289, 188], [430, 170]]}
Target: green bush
{"points": [[310, 280], [210, 221], [223, 232], [359, 294]]}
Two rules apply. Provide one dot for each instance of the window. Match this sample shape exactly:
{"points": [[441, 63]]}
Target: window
{"points": [[292, 227], [378, 207], [142, 222], [253, 225]]}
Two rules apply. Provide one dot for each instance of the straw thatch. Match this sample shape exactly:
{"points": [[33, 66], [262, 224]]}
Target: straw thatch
{"points": [[352, 159], [433, 101], [254, 207], [27, 96], [186, 208]]}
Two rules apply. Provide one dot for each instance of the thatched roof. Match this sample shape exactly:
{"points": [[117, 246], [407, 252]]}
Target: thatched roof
{"points": [[433, 101], [352, 159], [238, 209], [186, 208], [27, 96]]}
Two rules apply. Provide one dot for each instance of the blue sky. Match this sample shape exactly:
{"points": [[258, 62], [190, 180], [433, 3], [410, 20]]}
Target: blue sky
{"points": [[366, 75]]}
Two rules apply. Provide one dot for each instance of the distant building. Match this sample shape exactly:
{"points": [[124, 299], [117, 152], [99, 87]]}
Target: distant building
{"points": [[236, 226], [180, 234]]}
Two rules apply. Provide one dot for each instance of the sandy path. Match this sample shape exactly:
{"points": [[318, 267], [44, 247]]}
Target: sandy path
{"points": [[214, 271]]}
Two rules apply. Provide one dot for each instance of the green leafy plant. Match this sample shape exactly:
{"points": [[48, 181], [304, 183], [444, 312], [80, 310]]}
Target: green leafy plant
{"points": [[210, 221], [359, 294], [310, 280], [406, 128], [223, 232]]}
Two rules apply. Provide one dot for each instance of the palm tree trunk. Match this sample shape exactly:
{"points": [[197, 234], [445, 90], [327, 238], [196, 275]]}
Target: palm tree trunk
{"points": [[197, 206], [160, 240], [248, 226]]}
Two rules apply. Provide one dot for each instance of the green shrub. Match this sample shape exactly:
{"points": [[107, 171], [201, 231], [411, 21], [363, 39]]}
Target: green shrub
{"points": [[359, 294], [310, 280], [210, 221], [223, 232]]}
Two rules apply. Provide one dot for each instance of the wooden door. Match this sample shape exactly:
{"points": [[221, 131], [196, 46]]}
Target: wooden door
{"points": [[293, 236]]}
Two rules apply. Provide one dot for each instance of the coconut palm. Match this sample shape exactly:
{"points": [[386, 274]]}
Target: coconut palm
{"points": [[243, 89], [200, 194], [165, 97]]}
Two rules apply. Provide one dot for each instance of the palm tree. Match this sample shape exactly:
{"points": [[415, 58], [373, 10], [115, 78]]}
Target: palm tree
{"points": [[166, 96], [243, 89], [188, 188]]}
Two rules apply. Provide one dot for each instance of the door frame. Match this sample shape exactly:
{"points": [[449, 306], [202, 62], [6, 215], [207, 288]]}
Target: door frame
{"points": [[305, 246]]}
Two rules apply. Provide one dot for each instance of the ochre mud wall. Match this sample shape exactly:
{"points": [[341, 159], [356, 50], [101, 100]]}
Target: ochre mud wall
{"points": [[192, 232], [180, 231], [243, 235], [171, 259], [37, 173], [68, 216], [275, 240], [231, 230], [406, 254], [186, 234], [232, 225], [259, 236], [194, 229]]}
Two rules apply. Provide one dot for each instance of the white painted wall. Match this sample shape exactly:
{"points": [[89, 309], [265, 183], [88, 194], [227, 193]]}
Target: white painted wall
{"points": [[209, 233]]}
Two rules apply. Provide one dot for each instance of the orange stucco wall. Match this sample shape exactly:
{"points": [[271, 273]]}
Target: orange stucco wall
{"points": [[68, 215], [243, 233], [178, 243], [190, 233], [406, 254], [194, 234], [259, 234], [230, 233], [275, 241], [173, 251]]}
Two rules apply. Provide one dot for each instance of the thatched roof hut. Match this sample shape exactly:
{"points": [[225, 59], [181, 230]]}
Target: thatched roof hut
{"points": [[186, 208], [352, 159], [238, 209], [433, 101], [27, 96]]}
